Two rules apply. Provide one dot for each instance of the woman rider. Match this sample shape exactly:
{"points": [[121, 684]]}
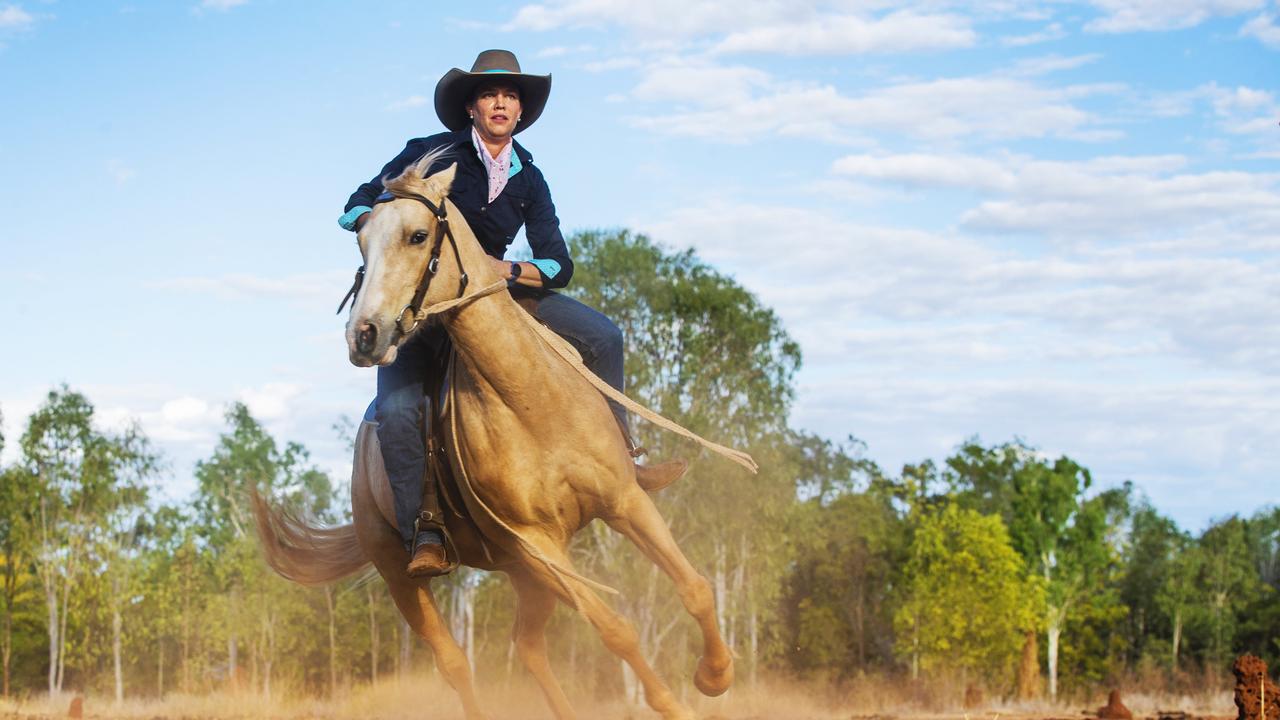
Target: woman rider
{"points": [[498, 189]]}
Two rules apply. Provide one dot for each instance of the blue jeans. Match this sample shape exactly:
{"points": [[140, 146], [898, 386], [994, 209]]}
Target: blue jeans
{"points": [[402, 385]]}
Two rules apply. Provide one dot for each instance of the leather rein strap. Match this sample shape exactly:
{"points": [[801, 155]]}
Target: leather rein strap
{"points": [[412, 313]]}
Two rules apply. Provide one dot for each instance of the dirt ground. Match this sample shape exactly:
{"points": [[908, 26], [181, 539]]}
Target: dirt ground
{"points": [[429, 699]]}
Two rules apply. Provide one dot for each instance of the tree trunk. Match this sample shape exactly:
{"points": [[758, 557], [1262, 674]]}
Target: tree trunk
{"points": [[373, 633], [186, 647], [721, 584], [630, 685], [7, 651], [915, 650], [270, 654], [62, 621], [117, 625], [10, 595], [1029, 668], [1177, 638], [1055, 630], [160, 669], [333, 642], [51, 604], [233, 649], [406, 649]]}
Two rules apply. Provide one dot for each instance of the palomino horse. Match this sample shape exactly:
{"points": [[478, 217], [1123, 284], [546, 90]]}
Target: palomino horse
{"points": [[532, 443]]}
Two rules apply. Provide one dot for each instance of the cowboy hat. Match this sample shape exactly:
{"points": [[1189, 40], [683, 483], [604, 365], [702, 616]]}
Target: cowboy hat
{"points": [[457, 88]]}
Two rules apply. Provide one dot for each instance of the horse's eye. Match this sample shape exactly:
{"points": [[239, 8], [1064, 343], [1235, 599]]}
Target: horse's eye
{"points": [[418, 238]]}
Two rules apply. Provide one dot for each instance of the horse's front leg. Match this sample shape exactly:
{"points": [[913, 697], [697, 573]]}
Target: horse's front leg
{"points": [[641, 523]]}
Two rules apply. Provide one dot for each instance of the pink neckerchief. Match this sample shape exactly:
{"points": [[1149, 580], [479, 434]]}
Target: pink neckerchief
{"points": [[499, 168]]}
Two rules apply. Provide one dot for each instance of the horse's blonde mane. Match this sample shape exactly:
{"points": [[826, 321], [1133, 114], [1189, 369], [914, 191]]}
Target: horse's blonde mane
{"points": [[413, 177]]}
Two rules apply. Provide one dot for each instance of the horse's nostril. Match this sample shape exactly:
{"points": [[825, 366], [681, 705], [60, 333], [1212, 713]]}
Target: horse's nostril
{"points": [[367, 338]]}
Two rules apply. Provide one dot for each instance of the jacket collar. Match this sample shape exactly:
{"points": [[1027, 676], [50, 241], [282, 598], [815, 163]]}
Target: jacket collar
{"points": [[463, 137]]}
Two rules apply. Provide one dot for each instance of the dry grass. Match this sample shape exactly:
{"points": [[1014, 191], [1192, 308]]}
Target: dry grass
{"points": [[428, 698]]}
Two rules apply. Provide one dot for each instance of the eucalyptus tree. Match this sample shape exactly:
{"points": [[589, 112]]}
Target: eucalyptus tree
{"points": [[81, 479], [17, 501], [1059, 530], [965, 595], [247, 458], [1228, 581]]}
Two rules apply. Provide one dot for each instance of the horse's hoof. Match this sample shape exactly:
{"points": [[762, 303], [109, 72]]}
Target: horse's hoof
{"points": [[712, 681]]}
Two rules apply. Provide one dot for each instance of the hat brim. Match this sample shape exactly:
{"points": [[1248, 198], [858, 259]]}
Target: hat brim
{"points": [[456, 88]]}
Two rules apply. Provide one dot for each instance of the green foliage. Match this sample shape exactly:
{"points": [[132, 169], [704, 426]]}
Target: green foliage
{"points": [[965, 595], [1229, 583], [837, 606]]}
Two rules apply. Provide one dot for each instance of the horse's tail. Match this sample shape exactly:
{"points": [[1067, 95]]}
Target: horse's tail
{"points": [[304, 554]]}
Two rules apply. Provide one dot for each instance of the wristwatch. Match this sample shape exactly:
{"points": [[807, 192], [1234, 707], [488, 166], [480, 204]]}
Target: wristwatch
{"points": [[515, 271]]}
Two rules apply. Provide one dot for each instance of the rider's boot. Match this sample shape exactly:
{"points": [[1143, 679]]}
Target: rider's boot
{"points": [[651, 478], [429, 556]]}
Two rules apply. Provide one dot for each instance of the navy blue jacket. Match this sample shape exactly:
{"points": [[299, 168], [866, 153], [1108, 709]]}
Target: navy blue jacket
{"points": [[526, 200]]}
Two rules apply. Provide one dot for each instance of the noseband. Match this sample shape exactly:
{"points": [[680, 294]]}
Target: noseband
{"points": [[412, 314]]}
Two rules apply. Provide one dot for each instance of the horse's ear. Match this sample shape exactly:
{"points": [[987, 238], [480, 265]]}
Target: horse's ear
{"points": [[440, 182]]}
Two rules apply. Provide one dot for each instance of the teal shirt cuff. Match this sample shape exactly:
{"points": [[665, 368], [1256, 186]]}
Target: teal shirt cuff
{"points": [[549, 268], [348, 219]]}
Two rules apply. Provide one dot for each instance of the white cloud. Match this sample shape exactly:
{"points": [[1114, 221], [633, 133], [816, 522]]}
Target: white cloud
{"points": [[699, 83], [1036, 66], [902, 31], [1136, 196], [1049, 33], [923, 170], [1137, 15], [1264, 28], [272, 401], [13, 16], [1196, 446], [1122, 353], [750, 104]]}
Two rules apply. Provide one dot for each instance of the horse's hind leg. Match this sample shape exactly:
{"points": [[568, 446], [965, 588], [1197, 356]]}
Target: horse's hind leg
{"points": [[418, 606], [618, 634], [641, 522], [534, 605]]}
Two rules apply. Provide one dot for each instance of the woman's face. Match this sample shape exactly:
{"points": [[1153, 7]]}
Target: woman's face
{"points": [[495, 110]]}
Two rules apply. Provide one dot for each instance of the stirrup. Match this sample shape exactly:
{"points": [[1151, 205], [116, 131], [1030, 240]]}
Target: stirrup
{"points": [[427, 520]]}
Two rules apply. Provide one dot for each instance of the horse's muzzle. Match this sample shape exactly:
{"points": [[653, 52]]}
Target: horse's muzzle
{"points": [[367, 345]]}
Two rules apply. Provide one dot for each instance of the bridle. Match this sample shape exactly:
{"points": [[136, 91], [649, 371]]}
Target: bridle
{"points": [[412, 313]]}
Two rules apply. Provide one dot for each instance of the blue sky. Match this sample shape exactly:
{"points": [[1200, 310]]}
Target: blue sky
{"points": [[1048, 219]]}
